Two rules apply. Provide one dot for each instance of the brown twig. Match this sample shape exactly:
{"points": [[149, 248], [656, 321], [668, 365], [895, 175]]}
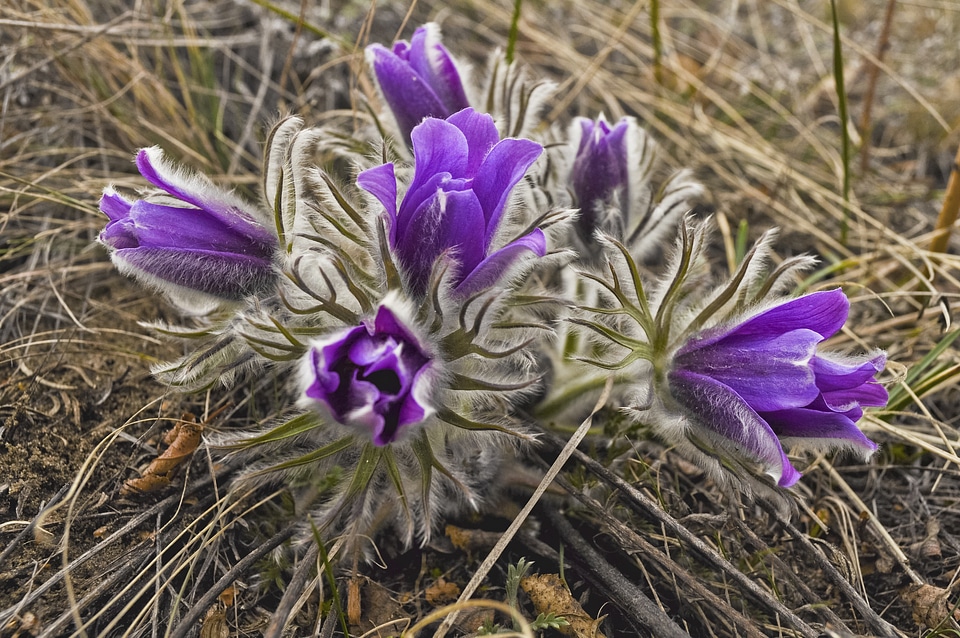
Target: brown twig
{"points": [[641, 504], [189, 621], [295, 588], [631, 540], [621, 591], [862, 606]]}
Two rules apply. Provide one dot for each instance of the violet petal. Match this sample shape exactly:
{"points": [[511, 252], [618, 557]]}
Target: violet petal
{"points": [[724, 413], [501, 170], [491, 269], [770, 372]]}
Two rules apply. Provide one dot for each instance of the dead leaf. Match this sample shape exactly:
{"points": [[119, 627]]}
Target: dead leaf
{"points": [[353, 601], [442, 592], [228, 596], [549, 595], [928, 548], [215, 624], [471, 540], [182, 442], [930, 605]]}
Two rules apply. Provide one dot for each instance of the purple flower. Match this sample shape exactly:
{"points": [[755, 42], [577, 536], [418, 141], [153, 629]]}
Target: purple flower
{"points": [[601, 170], [199, 239], [762, 382], [374, 376], [463, 176], [418, 79]]}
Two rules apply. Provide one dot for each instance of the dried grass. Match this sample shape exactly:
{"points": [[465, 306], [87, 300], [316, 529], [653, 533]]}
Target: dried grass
{"points": [[742, 91]]}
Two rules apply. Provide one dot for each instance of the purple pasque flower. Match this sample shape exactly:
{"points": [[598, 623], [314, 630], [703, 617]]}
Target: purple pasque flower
{"points": [[463, 176], [762, 383], [418, 79], [197, 241], [600, 174], [375, 376]]}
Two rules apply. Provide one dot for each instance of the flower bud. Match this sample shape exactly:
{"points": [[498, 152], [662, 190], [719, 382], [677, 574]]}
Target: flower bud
{"points": [[200, 244], [418, 79]]}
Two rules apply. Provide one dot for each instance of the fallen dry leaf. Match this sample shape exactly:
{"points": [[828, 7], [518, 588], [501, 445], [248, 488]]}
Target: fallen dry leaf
{"points": [[471, 540], [549, 595], [183, 441], [930, 605], [442, 592], [215, 624]]}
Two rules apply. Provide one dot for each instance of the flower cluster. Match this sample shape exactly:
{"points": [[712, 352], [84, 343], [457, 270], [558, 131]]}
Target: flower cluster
{"points": [[423, 306]]}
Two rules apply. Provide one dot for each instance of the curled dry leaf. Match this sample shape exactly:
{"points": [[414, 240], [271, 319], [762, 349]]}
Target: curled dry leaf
{"points": [[549, 595], [929, 547], [182, 441], [930, 605]]}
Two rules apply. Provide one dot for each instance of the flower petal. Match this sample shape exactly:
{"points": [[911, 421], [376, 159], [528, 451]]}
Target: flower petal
{"points": [[823, 312], [450, 220], [600, 170], [231, 211], [481, 134], [228, 276], [768, 372], [413, 201], [438, 147], [491, 269], [502, 168], [381, 182], [114, 206], [433, 63], [810, 426], [732, 423], [160, 226], [410, 98]]}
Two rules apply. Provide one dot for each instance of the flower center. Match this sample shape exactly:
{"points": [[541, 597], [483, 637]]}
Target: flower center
{"points": [[387, 381]]}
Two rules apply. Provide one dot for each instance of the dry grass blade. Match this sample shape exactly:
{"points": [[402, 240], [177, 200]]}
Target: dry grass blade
{"points": [[566, 450]]}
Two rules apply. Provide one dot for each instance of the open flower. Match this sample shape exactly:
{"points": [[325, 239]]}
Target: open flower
{"points": [[760, 383], [463, 176], [201, 244], [374, 376], [734, 372], [418, 79]]}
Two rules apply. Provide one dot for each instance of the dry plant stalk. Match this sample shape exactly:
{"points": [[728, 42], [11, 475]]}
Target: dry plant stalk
{"points": [[948, 213]]}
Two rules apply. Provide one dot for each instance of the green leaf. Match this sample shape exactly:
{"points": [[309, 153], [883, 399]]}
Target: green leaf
{"points": [[297, 425], [548, 621], [327, 450]]}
